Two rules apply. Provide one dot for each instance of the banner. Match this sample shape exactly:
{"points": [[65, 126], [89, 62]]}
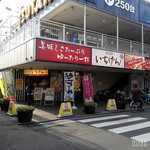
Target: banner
{"points": [[2, 87], [9, 84], [68, 86], [87, 87]]}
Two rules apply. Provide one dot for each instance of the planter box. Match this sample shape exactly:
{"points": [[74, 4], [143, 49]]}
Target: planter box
{"points": [[4, 107], [89, 109], [25, 117], [121, 105]]}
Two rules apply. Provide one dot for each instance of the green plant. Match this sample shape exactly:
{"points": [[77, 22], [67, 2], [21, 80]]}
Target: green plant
{"points": [[90, 103], [4, 101], [25, 108]]}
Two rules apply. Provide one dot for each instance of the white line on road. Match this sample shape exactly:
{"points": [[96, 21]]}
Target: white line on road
{"points": [[109, 123], [142, 137], [101, 118], [130, 127]]}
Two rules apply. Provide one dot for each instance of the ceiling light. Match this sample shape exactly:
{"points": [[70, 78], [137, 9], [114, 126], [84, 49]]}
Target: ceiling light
{"points": [[67, 33], [103, 20], [112, 42]]}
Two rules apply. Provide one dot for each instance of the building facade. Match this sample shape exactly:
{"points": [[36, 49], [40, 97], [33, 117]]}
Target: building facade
{"points": [[108, 39]]}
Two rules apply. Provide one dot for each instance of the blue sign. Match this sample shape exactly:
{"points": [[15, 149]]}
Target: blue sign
{"points": [[74, 37], [134, 10], [145, 13], [92, 1]]}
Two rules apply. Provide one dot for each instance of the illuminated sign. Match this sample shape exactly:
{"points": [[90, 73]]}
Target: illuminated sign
{"points": [[121, 4], [35, 72], [32, 9]]}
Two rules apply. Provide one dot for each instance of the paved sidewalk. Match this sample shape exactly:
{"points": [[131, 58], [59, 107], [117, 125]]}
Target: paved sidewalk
{"points": [[46, 113]]}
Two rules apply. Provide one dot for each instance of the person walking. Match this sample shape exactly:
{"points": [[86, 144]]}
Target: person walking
{"points": [[30, 91]]}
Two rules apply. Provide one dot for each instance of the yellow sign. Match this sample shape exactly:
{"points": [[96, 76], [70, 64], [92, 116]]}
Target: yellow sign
{"points": [[35, 72], [65, 110], [31, 9], [19, 84], [2, 87], [111, 105], [12, 109]]}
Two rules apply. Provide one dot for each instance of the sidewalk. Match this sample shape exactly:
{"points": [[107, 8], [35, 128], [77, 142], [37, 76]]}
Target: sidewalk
{"points": [[46, 113]]}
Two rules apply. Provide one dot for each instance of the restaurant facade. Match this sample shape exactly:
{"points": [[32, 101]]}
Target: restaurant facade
{"points": [[53, 42]]}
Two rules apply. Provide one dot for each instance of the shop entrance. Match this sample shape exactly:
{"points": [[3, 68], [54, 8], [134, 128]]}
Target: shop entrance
{"points": [[38, 81]]}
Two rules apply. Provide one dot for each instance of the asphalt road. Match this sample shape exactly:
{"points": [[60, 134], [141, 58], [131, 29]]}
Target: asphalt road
{"points": [[75, 133]]}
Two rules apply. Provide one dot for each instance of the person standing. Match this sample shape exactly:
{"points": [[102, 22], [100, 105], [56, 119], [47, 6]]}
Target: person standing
{"points": [[30, 91]]}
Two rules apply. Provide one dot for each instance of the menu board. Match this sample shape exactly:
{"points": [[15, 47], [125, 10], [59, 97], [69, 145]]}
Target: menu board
{"points": [[38, 93]]}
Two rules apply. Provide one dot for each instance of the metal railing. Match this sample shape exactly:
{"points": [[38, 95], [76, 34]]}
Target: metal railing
{"points": [[62, 32]]}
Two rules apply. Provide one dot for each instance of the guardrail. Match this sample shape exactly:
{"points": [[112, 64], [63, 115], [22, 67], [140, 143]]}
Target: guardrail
{"points": [[62, 32]]}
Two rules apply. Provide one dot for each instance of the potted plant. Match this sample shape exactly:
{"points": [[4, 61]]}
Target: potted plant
{"points": [[25, 114], [4, 104], [89, 106]]}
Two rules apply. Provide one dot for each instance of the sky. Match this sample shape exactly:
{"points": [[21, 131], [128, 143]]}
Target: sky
{"points": [[14, 5]]}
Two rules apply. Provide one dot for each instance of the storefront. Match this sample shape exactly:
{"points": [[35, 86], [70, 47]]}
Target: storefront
{"points": [[107, 39]]}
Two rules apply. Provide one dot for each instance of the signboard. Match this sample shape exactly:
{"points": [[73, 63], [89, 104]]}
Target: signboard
{"points": [[65, 110], [38, 93], [134, 62], [87, 87], [92, 1], [144, 12], [56, 81], [9, 84], [35, 72], [62, 52], [146, 64], [68, 86], [111, 105], [107, 58], [33, 8], [121, 4], [19, 84], [50, 93]]}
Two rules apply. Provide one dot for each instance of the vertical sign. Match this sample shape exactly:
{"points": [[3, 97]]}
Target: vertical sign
{"points": [[68, 86], [9, 84], [87, 87]]}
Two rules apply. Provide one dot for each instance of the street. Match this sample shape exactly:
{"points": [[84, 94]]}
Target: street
{"points": [[113, 131]]}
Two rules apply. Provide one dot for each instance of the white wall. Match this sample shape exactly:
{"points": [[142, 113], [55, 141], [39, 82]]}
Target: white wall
{"points": [[24, 53]]}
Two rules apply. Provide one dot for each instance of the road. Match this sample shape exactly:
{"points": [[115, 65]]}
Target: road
{"points": [[114, 131]]}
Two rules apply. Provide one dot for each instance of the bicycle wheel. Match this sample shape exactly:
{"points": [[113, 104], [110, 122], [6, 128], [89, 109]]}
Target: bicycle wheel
{"points": [[133, 106], [148, 100], [143, 107]]}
